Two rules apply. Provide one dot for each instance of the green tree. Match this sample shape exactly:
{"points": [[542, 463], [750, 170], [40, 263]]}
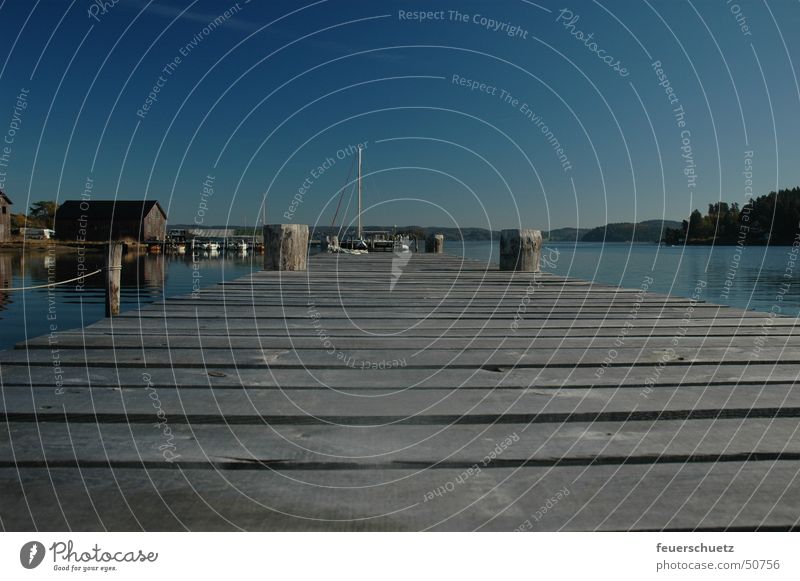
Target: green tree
{"points": [[697, 226], [43, 212], [673, 236], [773, 218]]}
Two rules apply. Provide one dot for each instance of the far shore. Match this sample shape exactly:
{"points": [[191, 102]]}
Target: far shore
{"points": [[734, 243], [136, 246], [63, 245]]}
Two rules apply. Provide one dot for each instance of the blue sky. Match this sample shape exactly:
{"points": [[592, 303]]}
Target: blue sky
{"points": [[262, 99]]}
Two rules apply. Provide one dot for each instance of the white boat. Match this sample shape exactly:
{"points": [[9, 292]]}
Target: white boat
{"points": [[401, 244], [355, 244], [205, 245]]}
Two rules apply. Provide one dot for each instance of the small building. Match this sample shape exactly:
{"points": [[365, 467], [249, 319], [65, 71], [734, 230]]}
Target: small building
{"points": [[5, 217], [104, 220]]}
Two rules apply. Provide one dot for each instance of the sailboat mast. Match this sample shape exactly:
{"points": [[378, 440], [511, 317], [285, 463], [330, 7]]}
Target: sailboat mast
{"points": [[359, 192]]}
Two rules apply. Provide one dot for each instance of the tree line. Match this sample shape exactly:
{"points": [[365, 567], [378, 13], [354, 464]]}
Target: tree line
{"points": [[40, 215], [770, 219]]}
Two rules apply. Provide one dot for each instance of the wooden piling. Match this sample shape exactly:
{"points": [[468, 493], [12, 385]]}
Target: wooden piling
{"points": [[113, 268], [520, 249], [435, 244], [285, 246]]}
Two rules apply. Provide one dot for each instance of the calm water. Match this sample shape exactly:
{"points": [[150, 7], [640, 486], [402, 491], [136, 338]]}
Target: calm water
{"points": [[756, 284], [145, 278], [756, 276]]}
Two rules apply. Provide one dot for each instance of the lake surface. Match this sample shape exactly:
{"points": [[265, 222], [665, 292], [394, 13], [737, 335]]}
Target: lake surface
{"points": [[757, 278], [145, 278]]}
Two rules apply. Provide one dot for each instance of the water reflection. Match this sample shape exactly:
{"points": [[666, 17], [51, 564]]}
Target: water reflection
{"points": [[137, 269], [751, 281], [145, 278], [5, 279]]}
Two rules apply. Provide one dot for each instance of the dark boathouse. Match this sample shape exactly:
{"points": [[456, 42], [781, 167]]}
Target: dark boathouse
{"points": [[5, 217], [104, 220]]}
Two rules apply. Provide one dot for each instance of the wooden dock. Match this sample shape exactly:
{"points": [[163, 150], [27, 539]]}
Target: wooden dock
{"points": [[371, 393]]}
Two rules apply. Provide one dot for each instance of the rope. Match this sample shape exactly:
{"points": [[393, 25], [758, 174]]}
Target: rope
{"points": [[24, 288]]}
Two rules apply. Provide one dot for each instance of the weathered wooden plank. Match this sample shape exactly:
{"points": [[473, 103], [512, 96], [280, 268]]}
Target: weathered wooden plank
{"points": [[403, 403], [447, 337], [405, 343], [495, 304], [694, 496], [355, 380], [280, 294], [277, 313], [327, 447], [522, 322], [338, 355]]}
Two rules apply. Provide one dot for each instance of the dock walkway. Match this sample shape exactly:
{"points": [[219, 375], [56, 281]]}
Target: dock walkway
{"points": [[378, 393]]}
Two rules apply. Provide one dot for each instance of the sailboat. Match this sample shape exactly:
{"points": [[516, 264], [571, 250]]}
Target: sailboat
{"points": [[357, 243]]}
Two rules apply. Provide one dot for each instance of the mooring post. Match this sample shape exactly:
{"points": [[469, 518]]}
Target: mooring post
{"points": [[113, 272], [285, 246], [435, 243], [520, 249]]}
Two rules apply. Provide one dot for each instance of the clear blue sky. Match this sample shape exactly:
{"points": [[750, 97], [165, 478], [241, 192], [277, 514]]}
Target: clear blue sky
{"points": [[268, 93]]}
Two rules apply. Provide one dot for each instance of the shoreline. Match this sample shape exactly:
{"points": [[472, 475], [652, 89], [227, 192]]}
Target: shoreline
{"points": [[734, 243], [64, 245], [135, 246]]}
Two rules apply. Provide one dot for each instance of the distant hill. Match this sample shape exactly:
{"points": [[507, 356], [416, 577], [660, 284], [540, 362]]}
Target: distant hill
{"points": [[565, 234], [646, 231], [465, 233]]}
